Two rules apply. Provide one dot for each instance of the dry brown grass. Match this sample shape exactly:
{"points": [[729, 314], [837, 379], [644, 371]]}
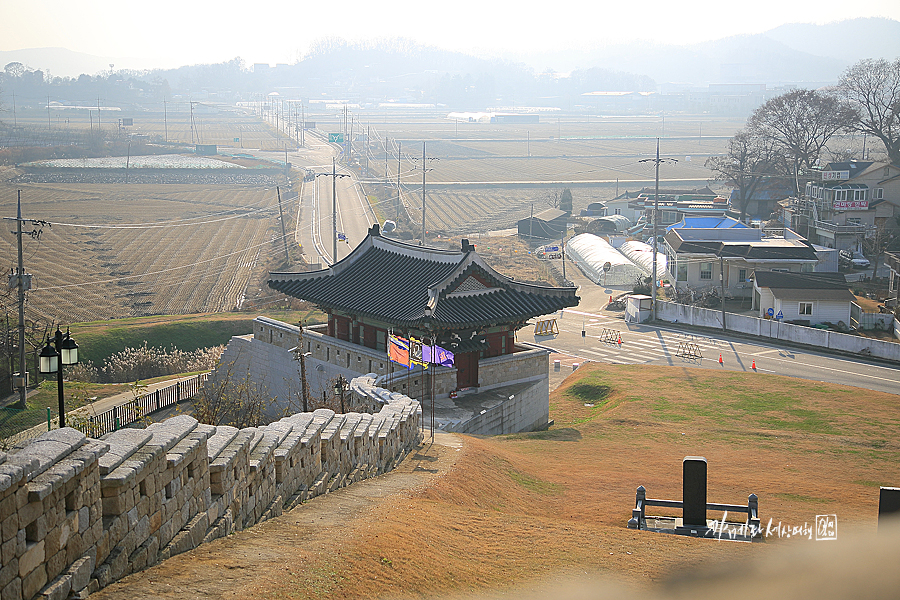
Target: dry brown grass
{"points": [[521, 509]]}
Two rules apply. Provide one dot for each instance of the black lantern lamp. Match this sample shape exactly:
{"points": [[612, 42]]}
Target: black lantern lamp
{"points": [[52, 359]]}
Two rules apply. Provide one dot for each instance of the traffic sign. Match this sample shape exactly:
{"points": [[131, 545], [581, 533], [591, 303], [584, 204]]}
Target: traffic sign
{"points": [[337, 138], [770, 312], [780, 315]]}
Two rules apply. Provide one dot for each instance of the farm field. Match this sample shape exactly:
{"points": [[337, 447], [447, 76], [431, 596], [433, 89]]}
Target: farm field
{"points": [[507, 515], [219, 125], [117, 251]]}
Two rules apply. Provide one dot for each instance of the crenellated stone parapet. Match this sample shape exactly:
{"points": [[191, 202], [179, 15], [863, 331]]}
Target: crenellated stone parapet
{"points": [[77, 514]]}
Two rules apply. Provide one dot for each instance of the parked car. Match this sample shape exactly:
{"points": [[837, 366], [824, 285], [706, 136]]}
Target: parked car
{"points": [[854, 259]]}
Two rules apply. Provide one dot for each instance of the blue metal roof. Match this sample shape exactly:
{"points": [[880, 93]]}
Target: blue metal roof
{"points": [[707, 223]]}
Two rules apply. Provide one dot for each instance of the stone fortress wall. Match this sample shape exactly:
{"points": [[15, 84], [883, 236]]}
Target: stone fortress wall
{"points": [[77, 513]]}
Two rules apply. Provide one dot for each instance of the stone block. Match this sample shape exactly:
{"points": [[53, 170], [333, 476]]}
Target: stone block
{"points": [[9, 571], [74, 548], [58, 589], [84, 515], [33, 556], [30, 512], [102, 575], [118, 563], [9, 527], [12, 591], [33, 582], [56, 564], [8, 550], [114, 505], [80, 572]]}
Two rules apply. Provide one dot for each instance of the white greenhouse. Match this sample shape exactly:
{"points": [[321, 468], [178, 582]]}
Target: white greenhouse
{"points": [[641, 254], [592, 254]]}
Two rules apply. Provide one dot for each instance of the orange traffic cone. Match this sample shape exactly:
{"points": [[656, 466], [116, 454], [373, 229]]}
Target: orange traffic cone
{"points": [[753, 366], [721, 362], [619, 342], [610, 300]]}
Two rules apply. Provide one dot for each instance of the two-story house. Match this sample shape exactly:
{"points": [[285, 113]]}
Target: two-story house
{"points": [[846, 203]]}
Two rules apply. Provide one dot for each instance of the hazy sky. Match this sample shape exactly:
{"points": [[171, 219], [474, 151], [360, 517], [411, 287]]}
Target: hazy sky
{"points": [[171, 33]]}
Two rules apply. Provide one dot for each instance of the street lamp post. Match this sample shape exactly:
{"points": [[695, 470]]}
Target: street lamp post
{"points": [[341, 386], [52, 360]]}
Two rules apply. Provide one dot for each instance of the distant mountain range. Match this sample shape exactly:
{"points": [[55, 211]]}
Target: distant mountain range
{"points": [[804, 54], [794, 53]]}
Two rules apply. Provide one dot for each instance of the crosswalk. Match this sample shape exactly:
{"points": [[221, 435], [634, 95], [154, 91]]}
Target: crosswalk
{"points": [[636, 349]]}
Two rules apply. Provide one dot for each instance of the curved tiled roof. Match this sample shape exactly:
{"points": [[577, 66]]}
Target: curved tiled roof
{"points": [[402, 284]]}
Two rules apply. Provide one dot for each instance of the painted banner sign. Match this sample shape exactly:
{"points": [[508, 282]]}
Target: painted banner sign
{"points": [[851, 205]]}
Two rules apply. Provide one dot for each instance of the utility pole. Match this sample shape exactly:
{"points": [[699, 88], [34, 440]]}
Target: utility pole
{"points": [[166, 119], [334, 175], [657, 161], [20, 281], [562, 246], [192, 120], [425, 169], [722, 277], [531, 224], [48, 113], [23, 282], [301, 356], [281, 218], [399, 195]]}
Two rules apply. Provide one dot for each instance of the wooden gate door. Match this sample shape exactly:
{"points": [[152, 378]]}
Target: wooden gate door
{"points": [[466, 369]]}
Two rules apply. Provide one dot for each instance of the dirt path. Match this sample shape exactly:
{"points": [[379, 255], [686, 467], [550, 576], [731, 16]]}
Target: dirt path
{"points": [[232, 567]]}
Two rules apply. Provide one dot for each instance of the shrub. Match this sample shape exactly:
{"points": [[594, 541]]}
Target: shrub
{"points": [[145, 362]]}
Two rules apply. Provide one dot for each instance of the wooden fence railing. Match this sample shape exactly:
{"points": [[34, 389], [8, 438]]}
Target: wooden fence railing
{"points": [[126, 414]]}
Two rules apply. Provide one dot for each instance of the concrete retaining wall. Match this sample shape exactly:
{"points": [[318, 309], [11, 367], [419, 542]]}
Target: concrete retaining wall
{"points": [[77, 514], [705, 317]]}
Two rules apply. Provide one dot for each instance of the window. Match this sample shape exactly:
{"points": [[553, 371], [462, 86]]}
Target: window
{"points": [[859, 194], [879, 194], [618, 211], [682, 273], [854, 221], [706, 270], [742, 275], [806, 308]]}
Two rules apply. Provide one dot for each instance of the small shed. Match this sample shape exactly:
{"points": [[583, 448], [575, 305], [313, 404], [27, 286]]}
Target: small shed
{"points": [[550, 224], [637, 308]]}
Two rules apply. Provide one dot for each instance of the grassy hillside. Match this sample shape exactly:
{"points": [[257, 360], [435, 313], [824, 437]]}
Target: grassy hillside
{"points": [[512, 512], [98, 340]]}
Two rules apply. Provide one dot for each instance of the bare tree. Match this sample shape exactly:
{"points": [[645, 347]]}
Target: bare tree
{"points": [[553, 198], [751, 164], [231, 398], [872, 88], [799, 124], [883, 237]]}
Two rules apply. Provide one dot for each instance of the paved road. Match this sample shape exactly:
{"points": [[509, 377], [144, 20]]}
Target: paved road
{"points": [[354, 215], [659, 345]]}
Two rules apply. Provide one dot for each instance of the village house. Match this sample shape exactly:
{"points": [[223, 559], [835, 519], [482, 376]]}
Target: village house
{"points": [[802, 298], [698, 257], [846, 203]]}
